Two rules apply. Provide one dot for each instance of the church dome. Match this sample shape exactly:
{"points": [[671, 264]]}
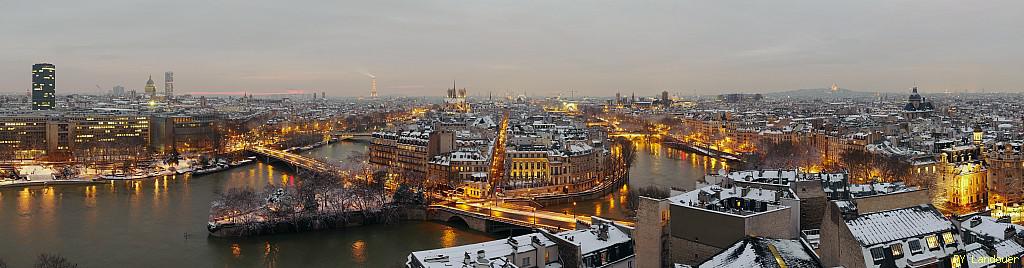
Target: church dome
{"points": [[914, 96]]}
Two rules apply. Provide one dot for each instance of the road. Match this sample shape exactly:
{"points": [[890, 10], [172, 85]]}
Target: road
{"points": [[308, 163], [528, 215]]}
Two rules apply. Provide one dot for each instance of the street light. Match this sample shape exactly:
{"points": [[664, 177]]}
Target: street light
{"points": [[534, 217], [574, 213]]}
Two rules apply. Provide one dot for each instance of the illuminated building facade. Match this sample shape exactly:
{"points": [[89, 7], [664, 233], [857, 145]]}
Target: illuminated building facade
{"points": [[1005, 165], [84, 137], [459, 167], [409, 151], [108, 137], [23, 137], [187, 134], [962, 181], [527, 166], [150, 88], [43, 86], [455, 101]]}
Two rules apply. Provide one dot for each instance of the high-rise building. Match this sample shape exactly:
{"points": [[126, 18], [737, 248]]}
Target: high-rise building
{"points": [[169, 84], [150, 88], [43, 89], [665, 101], [118, 91]]}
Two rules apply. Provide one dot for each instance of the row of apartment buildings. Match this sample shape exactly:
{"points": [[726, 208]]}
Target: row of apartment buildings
{"points": [[106, 135], [544, 151]]}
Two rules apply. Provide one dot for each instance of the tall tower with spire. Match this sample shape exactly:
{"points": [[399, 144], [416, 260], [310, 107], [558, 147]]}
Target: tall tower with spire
{"points": [[373, 86]]}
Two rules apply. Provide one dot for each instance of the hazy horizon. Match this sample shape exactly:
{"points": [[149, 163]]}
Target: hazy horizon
{"points": [[593, 48]]}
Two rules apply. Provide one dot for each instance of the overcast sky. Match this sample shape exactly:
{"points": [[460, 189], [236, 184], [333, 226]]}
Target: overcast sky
{"points": [[540, 47]]}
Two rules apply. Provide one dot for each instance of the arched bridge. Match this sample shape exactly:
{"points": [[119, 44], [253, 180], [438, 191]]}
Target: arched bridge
{"points": [[297, 161], [493, 220], [345, 135]]}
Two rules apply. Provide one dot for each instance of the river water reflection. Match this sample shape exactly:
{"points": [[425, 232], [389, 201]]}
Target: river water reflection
{"points": [[162, 223], [655, 165]]}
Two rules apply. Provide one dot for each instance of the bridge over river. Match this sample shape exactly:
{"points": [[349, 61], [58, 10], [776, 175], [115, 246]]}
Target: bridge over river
{"points": [[480, 216], [494, 219], [344, 135], [297, 161]]}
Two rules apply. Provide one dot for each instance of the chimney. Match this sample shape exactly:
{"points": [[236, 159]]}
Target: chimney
{"points": [[481, 259], [602, 231]]}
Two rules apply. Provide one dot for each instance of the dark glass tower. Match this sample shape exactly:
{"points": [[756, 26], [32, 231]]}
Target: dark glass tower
{"points": [[43, 89]]}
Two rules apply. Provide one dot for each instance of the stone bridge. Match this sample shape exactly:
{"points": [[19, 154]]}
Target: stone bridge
{"points": [[297, 161], [340, 135], [485, 220]]}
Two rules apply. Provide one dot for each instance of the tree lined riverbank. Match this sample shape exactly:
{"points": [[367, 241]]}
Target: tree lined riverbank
{"points": [[162, 223]]}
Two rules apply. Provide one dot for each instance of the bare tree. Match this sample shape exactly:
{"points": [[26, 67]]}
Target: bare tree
{"points": [[53, 261], [627, 152], [784, 154], [634, 194]]}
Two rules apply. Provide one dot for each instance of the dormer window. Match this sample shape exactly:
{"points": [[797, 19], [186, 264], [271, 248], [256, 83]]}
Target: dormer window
{"points": [[897, 250], [915, 246], [933, 242], [877, 253], [947, 238]]}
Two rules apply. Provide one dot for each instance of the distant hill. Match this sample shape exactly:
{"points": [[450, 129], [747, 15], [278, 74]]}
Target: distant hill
{"points": [[820, 93]]}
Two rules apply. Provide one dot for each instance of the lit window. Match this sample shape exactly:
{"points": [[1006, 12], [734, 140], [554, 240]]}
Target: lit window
{"points": [[947, 238], [933, 242], [897, 250]]}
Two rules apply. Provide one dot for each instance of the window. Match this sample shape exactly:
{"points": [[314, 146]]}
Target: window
{"points": [[915, 246], [933, 242], [897, 250], [526, 262], [877, 253], [947, 238]]}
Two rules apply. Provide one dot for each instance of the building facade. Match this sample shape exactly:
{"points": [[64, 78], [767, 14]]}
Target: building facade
{"points": [[44, 86]]}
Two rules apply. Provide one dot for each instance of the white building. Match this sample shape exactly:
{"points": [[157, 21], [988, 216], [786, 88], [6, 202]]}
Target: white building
{"points": [[603, 244]]}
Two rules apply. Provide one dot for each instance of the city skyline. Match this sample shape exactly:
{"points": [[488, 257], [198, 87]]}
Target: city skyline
{"points": [[547, 49]]}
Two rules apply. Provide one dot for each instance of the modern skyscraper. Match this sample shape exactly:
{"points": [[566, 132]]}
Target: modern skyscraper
{"points": [[150, 88], [43, 89], [665, 101], [118, 91], [169, 84]]}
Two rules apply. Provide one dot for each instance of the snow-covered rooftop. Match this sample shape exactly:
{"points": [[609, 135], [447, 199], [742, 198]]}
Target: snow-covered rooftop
{"points": [[711, 198], [898, 224], [987, 226], [763, 252], [590, 240], [494, 250]]}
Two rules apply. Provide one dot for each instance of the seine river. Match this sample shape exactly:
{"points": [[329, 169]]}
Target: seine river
{"points": [[162, 222]]}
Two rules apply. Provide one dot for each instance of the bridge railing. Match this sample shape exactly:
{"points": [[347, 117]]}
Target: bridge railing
{"points": [[521, 223], [308, 163]]}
